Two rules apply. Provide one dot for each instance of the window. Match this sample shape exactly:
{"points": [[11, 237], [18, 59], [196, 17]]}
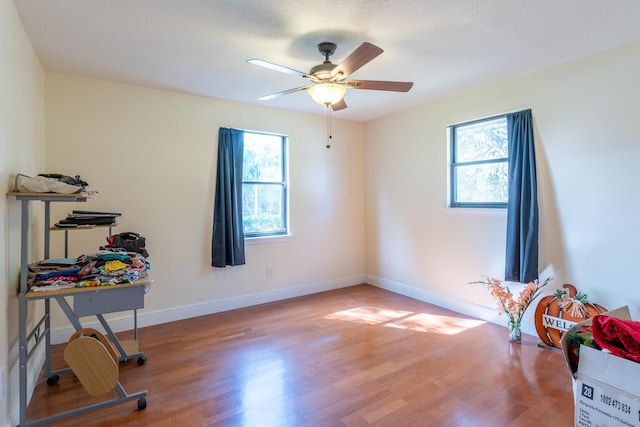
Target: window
{"points": [[264, 185], [479, 167]]}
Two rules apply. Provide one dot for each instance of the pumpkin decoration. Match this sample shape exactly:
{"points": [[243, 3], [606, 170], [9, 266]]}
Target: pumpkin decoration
{"points": [[556, 313]]}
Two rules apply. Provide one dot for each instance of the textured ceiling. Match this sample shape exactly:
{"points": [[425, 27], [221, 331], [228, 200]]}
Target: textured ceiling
{"points": [[201, 46]]}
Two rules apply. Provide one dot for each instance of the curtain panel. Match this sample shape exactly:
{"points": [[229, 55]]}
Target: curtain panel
{"points": [[521, 264], [227, 246]]}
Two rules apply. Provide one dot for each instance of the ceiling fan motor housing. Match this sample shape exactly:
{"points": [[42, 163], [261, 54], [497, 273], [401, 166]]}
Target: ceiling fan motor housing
{"points": [[327, 49], [323, 71]]}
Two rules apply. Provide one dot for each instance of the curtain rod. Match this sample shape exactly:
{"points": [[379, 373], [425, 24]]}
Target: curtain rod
{"points": [[493, 116]]}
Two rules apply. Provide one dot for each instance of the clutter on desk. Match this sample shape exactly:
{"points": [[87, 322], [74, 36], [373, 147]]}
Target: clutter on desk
{"points": [[109, 266], [132, 242], [50, 183]]}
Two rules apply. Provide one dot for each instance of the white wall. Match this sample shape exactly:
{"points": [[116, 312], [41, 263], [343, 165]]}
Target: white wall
{"points": [[21, 151], [151, 155], [587, 149]]}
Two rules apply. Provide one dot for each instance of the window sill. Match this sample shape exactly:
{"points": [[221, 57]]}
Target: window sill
{"points": [[267, 239], [476, 211]]}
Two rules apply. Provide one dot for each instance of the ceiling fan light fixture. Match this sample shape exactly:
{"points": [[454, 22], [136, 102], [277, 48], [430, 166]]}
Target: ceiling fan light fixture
{"points": [[327, 93]]}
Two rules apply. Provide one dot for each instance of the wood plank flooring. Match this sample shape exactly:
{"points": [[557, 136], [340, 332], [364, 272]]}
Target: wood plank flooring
{"points": [[358, 356]]}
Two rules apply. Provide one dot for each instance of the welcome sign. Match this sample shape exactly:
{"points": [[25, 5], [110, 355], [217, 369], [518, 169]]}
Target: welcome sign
{"points": [[558, 323], [556, 313]]}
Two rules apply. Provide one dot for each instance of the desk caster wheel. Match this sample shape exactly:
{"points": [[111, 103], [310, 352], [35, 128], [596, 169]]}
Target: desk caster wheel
{"points": [[53, 380], [142, 403], [142, 360]]}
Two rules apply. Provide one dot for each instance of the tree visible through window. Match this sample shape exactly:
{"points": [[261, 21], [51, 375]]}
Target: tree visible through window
{"points": [[264, 185], [479, 165]]}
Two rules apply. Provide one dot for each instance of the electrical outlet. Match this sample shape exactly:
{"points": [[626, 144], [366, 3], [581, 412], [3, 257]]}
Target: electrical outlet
{"points": [[269, 272]]}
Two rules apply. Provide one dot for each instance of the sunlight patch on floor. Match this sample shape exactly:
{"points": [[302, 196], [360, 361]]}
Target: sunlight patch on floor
{"points": [[445, 325], [420, 322], [369, 315]]}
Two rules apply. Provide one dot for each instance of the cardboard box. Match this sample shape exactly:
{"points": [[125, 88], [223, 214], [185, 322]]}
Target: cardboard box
{"points": [[606, 388]]}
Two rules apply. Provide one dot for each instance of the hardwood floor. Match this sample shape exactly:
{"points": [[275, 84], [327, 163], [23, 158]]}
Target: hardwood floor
{"points": [[358, 356]]}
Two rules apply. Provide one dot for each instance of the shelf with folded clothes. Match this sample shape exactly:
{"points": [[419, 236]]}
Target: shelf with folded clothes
{"points": [[145, 281], [104, 268]]}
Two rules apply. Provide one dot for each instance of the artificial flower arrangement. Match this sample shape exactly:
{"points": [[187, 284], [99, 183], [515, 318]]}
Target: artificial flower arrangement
{"points": [[513, 308], [619, 337], [577, 337]]}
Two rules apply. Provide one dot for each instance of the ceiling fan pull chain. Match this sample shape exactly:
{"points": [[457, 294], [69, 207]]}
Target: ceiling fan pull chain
{"points": [[329, 136]]}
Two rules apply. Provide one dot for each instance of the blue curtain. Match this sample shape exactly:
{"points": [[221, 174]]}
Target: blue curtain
{"points": [[227, 245], [522, 210]]}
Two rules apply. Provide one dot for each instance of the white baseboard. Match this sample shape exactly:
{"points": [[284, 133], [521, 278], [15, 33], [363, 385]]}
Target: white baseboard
{"points": [[463, 307], [125, 323]]}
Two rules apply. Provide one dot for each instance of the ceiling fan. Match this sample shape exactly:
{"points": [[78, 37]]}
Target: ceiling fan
{"points": [[329, 81]]}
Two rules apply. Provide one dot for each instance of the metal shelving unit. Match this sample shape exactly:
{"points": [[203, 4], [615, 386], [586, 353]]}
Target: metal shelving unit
{"points": [[86, 302]]}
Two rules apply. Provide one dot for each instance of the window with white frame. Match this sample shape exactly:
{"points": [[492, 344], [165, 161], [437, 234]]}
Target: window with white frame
{"points": [[479, 167], [264, 185]]}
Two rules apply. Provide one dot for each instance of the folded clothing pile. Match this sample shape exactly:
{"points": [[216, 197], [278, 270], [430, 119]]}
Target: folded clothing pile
{"points": [[105, 268]]}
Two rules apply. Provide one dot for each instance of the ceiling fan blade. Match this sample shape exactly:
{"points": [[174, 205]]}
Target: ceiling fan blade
{"points": [[379, 85], [359, 57], [340, 105], [284, 92], [276, 67]]}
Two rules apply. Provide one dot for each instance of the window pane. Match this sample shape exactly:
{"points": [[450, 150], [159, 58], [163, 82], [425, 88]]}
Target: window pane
{"points": [[486, 183], [262, 158], [262, 206], [483, 140], [264, 203]]}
